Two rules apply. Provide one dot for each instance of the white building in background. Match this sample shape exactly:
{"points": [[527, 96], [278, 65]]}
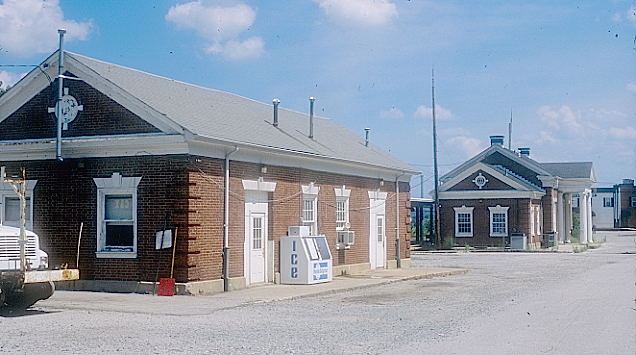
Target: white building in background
{"points": [[603, 207]]}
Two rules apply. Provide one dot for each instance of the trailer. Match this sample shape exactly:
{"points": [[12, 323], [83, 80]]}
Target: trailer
{"points": [[25, 277]]}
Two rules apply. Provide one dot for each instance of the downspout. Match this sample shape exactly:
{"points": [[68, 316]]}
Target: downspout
{"points": [[60, 93], [397, 221], [226, 223]]}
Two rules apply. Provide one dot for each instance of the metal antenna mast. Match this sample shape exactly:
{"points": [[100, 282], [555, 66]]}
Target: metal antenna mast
{"points": [[438, 237], [510, 132]]}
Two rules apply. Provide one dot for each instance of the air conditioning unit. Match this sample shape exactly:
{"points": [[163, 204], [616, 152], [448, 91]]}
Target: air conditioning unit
{"points": [[345, 239]]}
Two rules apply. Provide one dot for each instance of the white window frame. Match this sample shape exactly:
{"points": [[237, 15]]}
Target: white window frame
{"points": [[310, 193], [498, 210], [610, 200], [115, 185], [342, 196], [464, 210], [7, 191]]}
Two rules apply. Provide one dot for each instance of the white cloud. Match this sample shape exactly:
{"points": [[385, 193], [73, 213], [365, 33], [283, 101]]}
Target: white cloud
{"points": [[623, 133], [30, 26], [360, 12], [237, 50], [563, 117], [221, 26], [617, 17], [546, 137], [469, 145], [631, 87], [441, 113], [392, 114], [631, 15], [8, 78]]}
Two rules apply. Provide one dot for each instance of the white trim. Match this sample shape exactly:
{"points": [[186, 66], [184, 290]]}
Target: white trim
{"points": [[378, 195], [487, 169], [6, 190], [259, 185], [115, 185], [342, 191], [310, 193], [468, 210], [489, 194], [310, 189], [527, 162], [344, 199], [498, 209]]}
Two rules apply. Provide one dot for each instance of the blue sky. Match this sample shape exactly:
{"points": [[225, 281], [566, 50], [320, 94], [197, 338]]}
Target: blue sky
{"points": [[566, 69]]}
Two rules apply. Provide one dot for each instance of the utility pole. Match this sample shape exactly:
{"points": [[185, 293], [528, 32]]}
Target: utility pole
{"points": [[438, 237]]}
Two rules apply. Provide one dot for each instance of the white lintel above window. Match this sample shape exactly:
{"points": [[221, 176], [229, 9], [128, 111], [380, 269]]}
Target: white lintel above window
{"points": [[310, 189], [378, 195], [259, 185], [342, 192]]}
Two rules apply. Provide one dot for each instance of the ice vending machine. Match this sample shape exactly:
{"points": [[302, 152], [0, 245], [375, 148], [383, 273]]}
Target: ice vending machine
{"points": [[304, 259]]}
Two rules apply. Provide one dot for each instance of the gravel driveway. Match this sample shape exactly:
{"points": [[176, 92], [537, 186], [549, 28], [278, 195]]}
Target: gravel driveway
{"points": [[509, 303]]}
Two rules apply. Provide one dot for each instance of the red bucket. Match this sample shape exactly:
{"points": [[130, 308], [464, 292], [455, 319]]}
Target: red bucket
{"points": [[166, 287]]}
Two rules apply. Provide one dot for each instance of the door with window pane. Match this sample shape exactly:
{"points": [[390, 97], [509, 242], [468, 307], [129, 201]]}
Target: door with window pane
{"points": [[257, 240]]}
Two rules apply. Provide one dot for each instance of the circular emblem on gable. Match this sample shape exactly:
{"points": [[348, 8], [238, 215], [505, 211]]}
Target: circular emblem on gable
{"points": [[69, 109], [480, 181]]}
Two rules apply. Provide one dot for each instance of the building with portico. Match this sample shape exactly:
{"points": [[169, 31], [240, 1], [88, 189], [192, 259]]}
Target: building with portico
{"points": [[501, 192]]}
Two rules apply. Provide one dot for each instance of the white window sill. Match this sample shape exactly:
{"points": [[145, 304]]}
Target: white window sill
{"points": [[116, 255], [463, 235], [498, 235]]}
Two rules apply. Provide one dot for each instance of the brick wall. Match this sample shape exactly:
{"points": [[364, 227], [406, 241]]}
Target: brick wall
{"points": [[627, 213], [187, 192], [66, 195], [518, 219], [101, 116]]}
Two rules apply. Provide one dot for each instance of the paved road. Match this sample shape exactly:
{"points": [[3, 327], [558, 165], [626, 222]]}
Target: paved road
{"points": [[509, 303]]}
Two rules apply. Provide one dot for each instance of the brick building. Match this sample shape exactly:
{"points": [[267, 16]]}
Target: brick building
{"points": [[142, 153], [500, 191]]}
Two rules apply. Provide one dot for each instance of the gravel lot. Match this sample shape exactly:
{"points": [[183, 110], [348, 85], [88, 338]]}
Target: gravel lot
{"points": [[509, 303]]}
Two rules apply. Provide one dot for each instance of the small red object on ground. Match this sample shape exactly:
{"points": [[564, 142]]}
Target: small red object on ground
{"points": [[166, 287]]}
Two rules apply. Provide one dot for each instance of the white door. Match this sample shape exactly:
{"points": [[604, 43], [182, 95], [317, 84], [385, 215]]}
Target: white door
{"points": [[377, 233], [380, 239], [255, 237], [257, 247]]}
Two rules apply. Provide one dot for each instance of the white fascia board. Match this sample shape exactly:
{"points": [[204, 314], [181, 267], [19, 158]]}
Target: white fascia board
{"points": [[575, 185], [280, 157], [527, 162], [25, 89], [94, 147], [489, 194], [122, 97], [481, 166], [34, 82]]}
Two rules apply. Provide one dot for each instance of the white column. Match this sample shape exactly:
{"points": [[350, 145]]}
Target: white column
{"points": [[560, 220], [568, 217], [590, 230], [582, 218]]}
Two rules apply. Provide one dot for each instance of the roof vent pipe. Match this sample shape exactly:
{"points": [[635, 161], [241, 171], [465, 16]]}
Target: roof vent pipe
{"points": [[366, 136], [524, 152], [311, 116], [276, 102], [496, 140]]}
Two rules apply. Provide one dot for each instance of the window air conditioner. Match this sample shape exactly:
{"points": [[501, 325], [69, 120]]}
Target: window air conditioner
{"points": [[345, 239]]}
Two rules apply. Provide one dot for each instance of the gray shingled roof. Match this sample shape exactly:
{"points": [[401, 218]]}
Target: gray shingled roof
{"points": [[228, 117], [569, 170]]}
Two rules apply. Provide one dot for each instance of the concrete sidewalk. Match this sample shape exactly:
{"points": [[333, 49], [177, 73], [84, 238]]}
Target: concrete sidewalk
{"points": [[201, 305]]}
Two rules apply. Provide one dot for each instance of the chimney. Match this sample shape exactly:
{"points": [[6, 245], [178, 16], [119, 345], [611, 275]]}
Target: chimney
{"points": [[311, 116], [524, 152], [366, 136], [498, 140], [276, 102]]}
